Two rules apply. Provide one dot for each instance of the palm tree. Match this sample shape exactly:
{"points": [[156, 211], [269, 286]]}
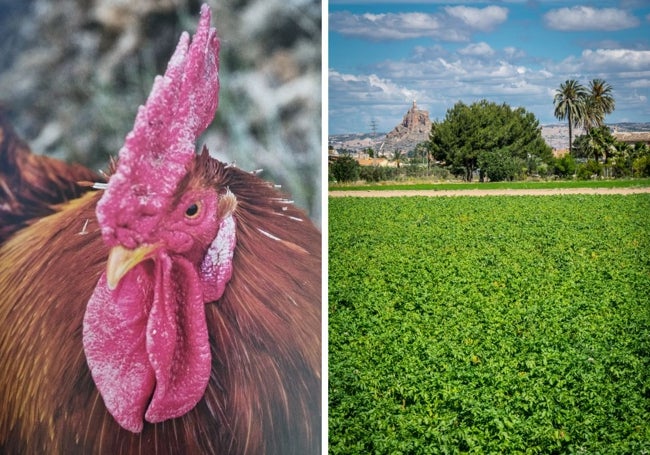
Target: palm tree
{"points": [[600, 102], [569, 104]]}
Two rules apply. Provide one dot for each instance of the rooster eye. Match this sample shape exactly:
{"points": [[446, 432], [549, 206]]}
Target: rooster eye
{"points": [[192, 211]]}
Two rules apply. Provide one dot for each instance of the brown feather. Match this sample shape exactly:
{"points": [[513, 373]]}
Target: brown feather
{"points": [[263, 396], [31, 184]]}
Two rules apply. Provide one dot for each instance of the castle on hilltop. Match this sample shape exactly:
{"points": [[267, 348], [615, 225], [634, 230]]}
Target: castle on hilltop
{"points": [[414, 128]]}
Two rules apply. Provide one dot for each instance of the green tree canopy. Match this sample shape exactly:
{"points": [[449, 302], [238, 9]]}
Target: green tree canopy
{"points": [[500, 165], [345, 169], [488, 133], [565, 165]]}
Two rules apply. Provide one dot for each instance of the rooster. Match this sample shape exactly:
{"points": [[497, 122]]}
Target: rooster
{"points": [[175, 309]]}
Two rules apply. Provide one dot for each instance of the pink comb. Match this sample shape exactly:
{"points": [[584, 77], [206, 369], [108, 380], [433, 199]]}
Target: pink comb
{"points": [[158, 150]]}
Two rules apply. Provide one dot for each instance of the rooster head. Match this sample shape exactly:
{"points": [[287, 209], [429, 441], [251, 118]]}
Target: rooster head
{"points": [[171, 234]]}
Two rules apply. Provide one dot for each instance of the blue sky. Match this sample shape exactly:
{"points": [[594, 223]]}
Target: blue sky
{"points": [[384, 55]]}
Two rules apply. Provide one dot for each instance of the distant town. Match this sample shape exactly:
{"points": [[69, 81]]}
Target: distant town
{"points": [[555, 135]]}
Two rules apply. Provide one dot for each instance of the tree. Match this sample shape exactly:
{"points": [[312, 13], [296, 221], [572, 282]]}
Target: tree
{"points": [[482, 129], [641, 160], [500, 165], [345, 169], [599, 102], [589, 170], [621, 159], [596, 143], [569, 104], [565, 166], [453, 143]]}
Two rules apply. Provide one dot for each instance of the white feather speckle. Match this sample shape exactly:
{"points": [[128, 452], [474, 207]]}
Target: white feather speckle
{"points": [[269, 235]]}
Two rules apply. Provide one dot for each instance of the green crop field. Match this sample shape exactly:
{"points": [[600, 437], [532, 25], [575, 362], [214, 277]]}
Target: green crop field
{"points": [[383, 186], [489, 325]]}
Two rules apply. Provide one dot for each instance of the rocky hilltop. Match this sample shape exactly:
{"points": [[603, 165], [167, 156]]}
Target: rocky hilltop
{"points": [[414, 128]]}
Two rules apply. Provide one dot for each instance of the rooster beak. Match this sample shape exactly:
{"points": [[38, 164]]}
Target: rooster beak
{"points": [[121, 260]]}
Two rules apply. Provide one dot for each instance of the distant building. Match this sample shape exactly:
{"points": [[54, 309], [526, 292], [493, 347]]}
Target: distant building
{"points": [[632, 137], [381, 161]]}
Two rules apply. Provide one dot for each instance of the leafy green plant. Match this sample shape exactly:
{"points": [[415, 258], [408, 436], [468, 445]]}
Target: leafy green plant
{"points": [[588, 170], [489, 325], [564, 166], [641, 166], [377, 173]]}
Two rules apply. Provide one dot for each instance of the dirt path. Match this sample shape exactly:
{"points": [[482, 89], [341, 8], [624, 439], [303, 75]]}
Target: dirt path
{"points": [[496, 192]]}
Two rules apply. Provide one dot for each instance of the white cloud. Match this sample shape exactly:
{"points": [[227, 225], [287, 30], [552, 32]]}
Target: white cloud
{"points": [[444, 80], [512, 52], [639, 83], [588, 18], [450, 68], [390, 89], [371, 86], [481, 49], [453, 24], [428, 52], [619, 58], [388, 26], [483, 19], [608, 61]]}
